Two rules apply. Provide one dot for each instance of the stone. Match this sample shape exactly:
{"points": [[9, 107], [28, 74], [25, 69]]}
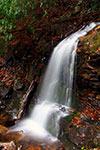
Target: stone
{"points": [[14, 136], [18, 85], [4, 91], [3, 130], [85, 76], [98, 97], [8, 146], [2, 107], [88, 65]]}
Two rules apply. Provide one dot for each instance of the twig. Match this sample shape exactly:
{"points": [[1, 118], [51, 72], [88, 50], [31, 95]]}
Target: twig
{"points": [[25, 100]]}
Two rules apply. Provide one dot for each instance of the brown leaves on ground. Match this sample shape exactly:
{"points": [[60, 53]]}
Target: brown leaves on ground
{"points": [[8, 76], [95, 149], [1, 61], [76, 121], [89, 112], [34, 148]]}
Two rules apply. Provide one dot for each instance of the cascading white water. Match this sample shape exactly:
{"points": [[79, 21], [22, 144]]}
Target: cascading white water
{"points": [[55, 95]]}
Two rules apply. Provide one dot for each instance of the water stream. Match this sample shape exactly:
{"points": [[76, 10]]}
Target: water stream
{"points": [[54, 100]]}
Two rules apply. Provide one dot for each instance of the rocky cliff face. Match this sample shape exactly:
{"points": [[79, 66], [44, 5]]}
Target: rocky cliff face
{"points": [[81, 129], [88, 67]]}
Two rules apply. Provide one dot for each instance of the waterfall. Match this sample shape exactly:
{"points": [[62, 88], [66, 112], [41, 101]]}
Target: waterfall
{"points": [[54, 100]]}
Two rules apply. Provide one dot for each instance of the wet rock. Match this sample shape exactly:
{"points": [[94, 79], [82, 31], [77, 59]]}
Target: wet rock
{"points": [[18, 85], [4, 91], [8, 146], [14, 102], [2, 107], [80, 130], [25, 142], [3, 130], [14, 136], [75, 137]]}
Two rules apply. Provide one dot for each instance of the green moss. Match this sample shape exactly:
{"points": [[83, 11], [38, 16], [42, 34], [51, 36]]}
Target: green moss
{"points": [[83, 148], [70, 117], [91, 43], [2, 84], [96, 44]]}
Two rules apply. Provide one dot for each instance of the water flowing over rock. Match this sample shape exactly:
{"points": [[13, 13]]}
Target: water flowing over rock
{"points": [[54, 99]]}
